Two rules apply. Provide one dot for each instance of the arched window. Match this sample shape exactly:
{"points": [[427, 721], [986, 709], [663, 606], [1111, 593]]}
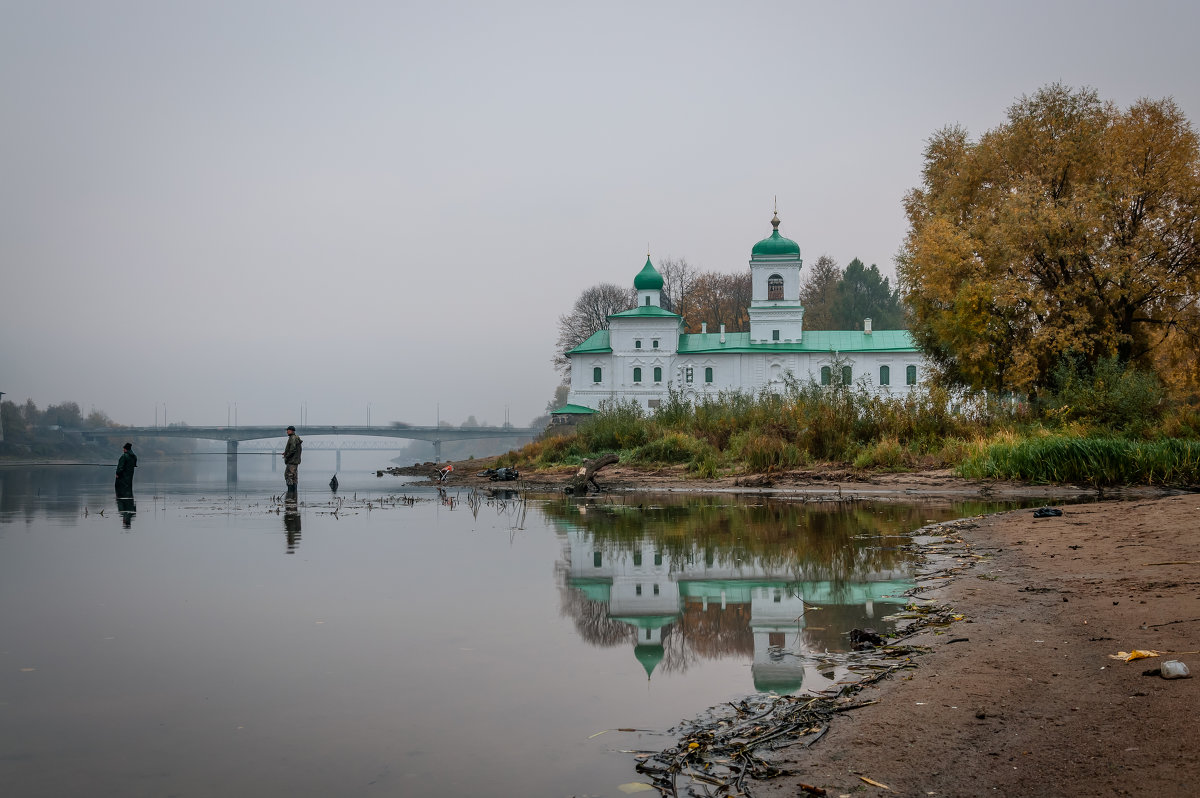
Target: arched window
{"points": [[597, 374], [826, 375], [637, 344], [774, 287], [708, 374], [637, 374], [657, 374], [847, 375], [885, 375], [910, 375]]}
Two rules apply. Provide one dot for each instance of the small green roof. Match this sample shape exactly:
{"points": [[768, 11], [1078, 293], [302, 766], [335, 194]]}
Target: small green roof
{"points": [[648, 279], [597, 343], [813, 341], [572, 410], [644, 310], [775, 246], [649, 656]]}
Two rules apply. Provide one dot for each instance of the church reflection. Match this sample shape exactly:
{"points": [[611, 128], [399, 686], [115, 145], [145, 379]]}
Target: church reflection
{"points": [[709, 596]]}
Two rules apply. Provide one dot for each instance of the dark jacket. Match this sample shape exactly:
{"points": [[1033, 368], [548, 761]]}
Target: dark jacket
{"points": [[125, 467], [291, 452]]}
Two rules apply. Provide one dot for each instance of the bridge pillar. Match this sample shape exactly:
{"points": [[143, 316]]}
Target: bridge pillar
{"points": [[437, 451], [338, 467], [231, 461]]}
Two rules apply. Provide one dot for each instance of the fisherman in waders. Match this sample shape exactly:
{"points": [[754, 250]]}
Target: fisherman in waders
{"points": [[291, 459], [125, 467]]}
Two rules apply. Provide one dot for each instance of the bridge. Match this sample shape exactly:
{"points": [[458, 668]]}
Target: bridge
{"points": [[235, 435]]}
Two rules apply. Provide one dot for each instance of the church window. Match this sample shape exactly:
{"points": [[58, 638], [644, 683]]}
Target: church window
{"points": [[656, 343], [826, 375], [656, 588], [637, 374], [774, 335], [637, 589], [597, 559], [708, 374], [649, 635], [597, 373], [647, 301], [688, 374], [637, 559], [910, 375], [847, 375], [657, 374], [637, 344], [658, 558], [885, 375], [774, 287]]}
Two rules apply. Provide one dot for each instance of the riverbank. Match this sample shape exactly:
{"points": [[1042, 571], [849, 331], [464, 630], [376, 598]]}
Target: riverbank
{"points": [[1031, 702], [810, 483]]}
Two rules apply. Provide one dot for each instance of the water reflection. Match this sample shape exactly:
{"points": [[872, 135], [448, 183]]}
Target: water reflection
{"points": [[777, 583], [128, 510], [291, 522]]}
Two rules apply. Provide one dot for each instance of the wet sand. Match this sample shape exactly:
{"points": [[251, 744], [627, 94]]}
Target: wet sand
{"points": [[1031, 703]]}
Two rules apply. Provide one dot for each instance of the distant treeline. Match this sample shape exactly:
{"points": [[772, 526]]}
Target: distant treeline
{"points": [[60, 431]]}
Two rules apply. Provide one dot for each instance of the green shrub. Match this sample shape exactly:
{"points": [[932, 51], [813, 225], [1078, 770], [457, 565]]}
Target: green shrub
{"points": [[1109, 394]]}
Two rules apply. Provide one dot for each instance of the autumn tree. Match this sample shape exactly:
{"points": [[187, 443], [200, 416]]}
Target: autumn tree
{"points": [[588, 315], [819, 294], [717, 299], [679, 279], [1071, 229]]}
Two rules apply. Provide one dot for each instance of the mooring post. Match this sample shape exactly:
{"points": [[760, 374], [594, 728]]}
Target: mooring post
{"points": [[231, 461]]}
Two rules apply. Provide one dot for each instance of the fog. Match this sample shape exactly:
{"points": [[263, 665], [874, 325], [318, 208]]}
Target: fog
{"points": [[384, 207]]}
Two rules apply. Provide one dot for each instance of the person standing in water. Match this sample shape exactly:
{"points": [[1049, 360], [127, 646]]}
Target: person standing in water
{"points": [[291, 459], [125, 467]]}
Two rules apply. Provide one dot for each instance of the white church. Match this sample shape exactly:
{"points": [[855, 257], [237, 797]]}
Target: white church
{"points": [[644, 352]]}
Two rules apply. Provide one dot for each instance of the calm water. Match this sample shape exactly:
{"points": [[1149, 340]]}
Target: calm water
{"points": [[214, 643]]}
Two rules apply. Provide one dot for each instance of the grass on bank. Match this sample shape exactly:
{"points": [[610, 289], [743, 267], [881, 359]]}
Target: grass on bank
{"points": [[1107, 427]]}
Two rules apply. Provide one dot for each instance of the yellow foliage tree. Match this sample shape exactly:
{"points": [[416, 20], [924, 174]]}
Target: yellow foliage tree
{"points": [[1072, 227]]}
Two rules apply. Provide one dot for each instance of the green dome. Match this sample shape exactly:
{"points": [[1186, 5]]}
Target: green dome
{"points": [[649, 656], [775, 245], [648, 279]]}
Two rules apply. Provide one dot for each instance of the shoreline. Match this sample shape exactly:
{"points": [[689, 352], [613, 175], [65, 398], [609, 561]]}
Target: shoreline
{"points": [[1031, 702], [1022, 696]]}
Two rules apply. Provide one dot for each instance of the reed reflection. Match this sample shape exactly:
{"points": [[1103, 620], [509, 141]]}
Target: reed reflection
{"points": [[776, 583]]}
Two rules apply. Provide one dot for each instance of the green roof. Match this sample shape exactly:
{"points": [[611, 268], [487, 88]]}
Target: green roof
{"points": [[648, 279], [775, 246], [569, 409], [644, 310], [813, 341], [595, 344]]}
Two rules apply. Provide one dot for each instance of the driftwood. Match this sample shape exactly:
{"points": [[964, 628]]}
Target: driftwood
{"points": [[585, 478]]}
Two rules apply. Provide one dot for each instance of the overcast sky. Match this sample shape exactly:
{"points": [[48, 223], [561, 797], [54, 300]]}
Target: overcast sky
{"points": [[390, 204]]}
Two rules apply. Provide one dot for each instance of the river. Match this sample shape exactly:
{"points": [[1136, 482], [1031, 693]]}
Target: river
{"points": [[393, 640]]}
